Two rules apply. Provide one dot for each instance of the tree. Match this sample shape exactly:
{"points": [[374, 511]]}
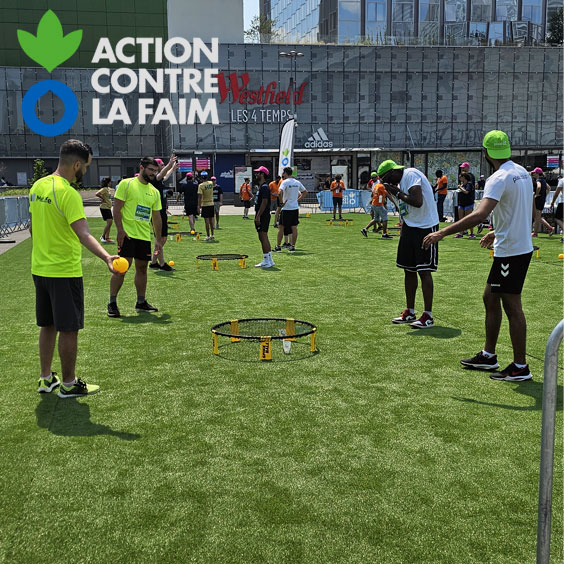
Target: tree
{"points": [[261, 30], [556, 28], [39, 171]]}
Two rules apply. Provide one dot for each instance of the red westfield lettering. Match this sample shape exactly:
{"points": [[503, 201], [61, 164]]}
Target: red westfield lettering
{"points": [[263, 96]]}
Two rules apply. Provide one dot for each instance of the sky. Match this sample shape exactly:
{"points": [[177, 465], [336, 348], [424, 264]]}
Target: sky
{"points": [[251, 9]]}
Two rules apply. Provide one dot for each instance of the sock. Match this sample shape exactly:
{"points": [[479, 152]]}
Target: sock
{"points": [[140, 299], [46, 377], [113, 299], [265, 256], [519, 365], [411, 310], [269, 255], [69, 384], [428, 313], [487, 354]]}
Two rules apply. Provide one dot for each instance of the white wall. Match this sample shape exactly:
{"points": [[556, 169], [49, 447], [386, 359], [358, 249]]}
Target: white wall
{"points": [[206, 19]]}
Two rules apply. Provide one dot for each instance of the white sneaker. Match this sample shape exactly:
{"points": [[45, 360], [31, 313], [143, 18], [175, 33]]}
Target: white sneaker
{"points": [[269, 264], [261, 264], [102, 240]]}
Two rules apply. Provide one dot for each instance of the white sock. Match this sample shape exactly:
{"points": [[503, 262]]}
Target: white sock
{"points": [[45, 377], [265, 256], [487, 354], [519, 365], [412, 311], [269, 255], [69, 384]]}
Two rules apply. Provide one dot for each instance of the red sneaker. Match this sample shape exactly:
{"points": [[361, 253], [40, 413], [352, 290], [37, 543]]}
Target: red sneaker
{"points": [[405, 317], [423, 322]]}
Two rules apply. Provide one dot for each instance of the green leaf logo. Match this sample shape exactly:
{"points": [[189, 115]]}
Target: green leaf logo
{"points": [[50, 48], [285, 152]]}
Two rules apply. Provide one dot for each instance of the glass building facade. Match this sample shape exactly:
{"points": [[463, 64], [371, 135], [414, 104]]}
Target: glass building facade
{"points": [[405, 22]]}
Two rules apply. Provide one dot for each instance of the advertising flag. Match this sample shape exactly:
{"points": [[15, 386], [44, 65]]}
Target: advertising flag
{"points": [[286, 156]]}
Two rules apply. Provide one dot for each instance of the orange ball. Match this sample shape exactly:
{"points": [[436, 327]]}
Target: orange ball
{"points": [[121, 265], [170, 263]]}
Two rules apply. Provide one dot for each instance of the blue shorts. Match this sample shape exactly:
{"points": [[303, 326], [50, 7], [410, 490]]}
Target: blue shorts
{"points": [[466, 208]]}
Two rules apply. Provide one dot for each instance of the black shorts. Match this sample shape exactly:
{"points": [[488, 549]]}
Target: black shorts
{"points": [[558, 213], [135, 248], [59, 302], [410, 255], [247, 203], [106, 213], [264, 222], [507, 274], [191, 208], [337, 201], [288, 218], [539, 204], [208, 211]]}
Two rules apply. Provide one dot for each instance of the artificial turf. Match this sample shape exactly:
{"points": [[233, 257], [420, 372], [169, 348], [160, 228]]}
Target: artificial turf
{"points": [[377, 448]]}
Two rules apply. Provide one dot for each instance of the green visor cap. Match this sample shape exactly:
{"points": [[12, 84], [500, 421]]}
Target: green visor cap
{"points": [[386, 166], [496, 144]]}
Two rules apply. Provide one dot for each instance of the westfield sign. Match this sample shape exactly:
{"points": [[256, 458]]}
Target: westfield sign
{"points": [[269, 95]]}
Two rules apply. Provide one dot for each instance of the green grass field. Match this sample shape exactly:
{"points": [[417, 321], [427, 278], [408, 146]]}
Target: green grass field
{"points": [[377, 449]]}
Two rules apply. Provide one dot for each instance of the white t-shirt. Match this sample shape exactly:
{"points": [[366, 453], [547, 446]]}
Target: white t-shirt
{"points": [[289, 191], [425, 216], [560, 198], [512, 187]]}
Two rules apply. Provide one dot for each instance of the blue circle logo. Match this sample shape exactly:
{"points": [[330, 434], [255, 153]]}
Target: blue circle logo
{"points": [[67, 97], [285, 161]]}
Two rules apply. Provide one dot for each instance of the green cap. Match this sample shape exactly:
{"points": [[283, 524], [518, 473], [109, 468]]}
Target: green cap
{"points": [[373, 174], [496, 144], [386, 166]]}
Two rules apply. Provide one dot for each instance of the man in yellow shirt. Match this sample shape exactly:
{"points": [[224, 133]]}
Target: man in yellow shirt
{"points": [[58, 228], [205, 203], [137, 203]]}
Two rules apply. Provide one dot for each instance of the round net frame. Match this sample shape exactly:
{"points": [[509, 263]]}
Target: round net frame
{"points": [[215, 258], [264, 330]]}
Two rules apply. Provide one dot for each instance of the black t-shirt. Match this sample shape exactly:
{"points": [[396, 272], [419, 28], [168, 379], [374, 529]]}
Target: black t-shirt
{"points": [[216, 192], [542, 194], [159, 185], [263, 194], [467, 199], [191, 193]]}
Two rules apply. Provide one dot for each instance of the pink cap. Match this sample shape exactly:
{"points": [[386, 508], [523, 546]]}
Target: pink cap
{"points": [[262, 169], [465, 165], [213, 178], [538, 170], [189, 175], [160, 161]]}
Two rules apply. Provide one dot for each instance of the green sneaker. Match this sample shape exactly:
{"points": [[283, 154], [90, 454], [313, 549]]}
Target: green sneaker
{"points": [[78, 389], [46, 385]]}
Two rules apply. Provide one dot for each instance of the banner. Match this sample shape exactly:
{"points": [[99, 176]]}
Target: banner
{"points": [[286, 156], [352, 199], [224, 170]]}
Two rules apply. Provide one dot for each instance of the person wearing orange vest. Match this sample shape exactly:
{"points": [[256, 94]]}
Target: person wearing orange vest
{"points": [[379, 209], [337, 188], [273, 187], [441, 189], [246, 196]]}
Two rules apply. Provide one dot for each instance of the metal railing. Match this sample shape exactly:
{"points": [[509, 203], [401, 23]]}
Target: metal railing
{"points": [[14, 214], [549, 396]]}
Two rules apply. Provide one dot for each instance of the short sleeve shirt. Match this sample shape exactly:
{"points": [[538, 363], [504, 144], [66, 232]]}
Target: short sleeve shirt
{"points": [[442, 185], [206, 190], [273, 186], [139, 202], [245, 192], [337, 188], [426, 216], [217, 191], [263, 194], [512, 187], [106, 203], [379, 195], [54, 204], [290, 189]]}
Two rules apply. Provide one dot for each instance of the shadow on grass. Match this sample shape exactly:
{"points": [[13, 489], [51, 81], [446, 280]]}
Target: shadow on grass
{"points": [[246, 352], [530, 388], [71, 418], [301, 253], [164, 274], [146, 318], [437, 331]]}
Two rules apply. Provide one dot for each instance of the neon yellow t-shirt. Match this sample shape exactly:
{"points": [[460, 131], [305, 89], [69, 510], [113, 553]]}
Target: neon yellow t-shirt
{"points": [[206, 190], [54, 204], [140, 201]]}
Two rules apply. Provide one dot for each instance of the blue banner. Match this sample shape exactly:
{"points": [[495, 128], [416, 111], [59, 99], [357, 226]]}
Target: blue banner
{"points": [[224, 170], [351, 199]]}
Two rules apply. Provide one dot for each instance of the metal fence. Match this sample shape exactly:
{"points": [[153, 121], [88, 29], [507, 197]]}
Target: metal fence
{"points": [[14, 214]]}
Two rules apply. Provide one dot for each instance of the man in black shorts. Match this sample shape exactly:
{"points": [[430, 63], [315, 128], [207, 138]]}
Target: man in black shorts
{"points": [[262, 216], [137, 204], [508, 195], [58, 228], [291, 191], [205, 204], [419, 214], [191, 199]]}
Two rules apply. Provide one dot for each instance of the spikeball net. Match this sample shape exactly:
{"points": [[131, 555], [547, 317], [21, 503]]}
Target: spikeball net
{"points": [[215, 258], [265, 330]]}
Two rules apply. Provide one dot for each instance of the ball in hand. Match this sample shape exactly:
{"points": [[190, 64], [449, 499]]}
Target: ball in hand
{"points": [[121, 265]]}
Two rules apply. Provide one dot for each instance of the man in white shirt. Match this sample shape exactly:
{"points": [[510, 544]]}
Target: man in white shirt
{"points": [[419, 214], [291, 191], [558, 199], [508, 195]]}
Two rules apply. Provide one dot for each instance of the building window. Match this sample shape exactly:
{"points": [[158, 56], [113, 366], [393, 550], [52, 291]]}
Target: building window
{"points": [[455, 10], [532, 11], [402, 12], [480, 10], [376, 11], [506, 10], [495, 35]]}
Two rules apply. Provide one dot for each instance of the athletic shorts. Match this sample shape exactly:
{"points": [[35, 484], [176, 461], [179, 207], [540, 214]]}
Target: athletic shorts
{"points": [[539, 204], [59, 302], [207, 211], [380, 213], [216, 207], [164, 225], [247, 204], [559, 209], [191, 208], [135, 248], [264, 222], [273, 204], [106, 213], [507, 274], [410, 255], [337, 201], [289, 218], [469, 207]]}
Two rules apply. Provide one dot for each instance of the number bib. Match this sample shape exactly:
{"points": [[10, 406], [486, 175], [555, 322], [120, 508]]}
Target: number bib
{"points": [[143, 213]]}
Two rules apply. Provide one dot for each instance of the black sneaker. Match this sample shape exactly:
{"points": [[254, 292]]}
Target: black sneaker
{"points": [[513, 374], [78, 389], [386, 236], [480, 228], [286, 246], [46, 385], [145, 307], [291, 249], [277, 249], [167, 268], [154, 265], [113, 310], [364, 233], [481, 362]]}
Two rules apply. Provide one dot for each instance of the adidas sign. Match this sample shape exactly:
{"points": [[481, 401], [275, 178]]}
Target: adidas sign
{"points": [[318, 140]]}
